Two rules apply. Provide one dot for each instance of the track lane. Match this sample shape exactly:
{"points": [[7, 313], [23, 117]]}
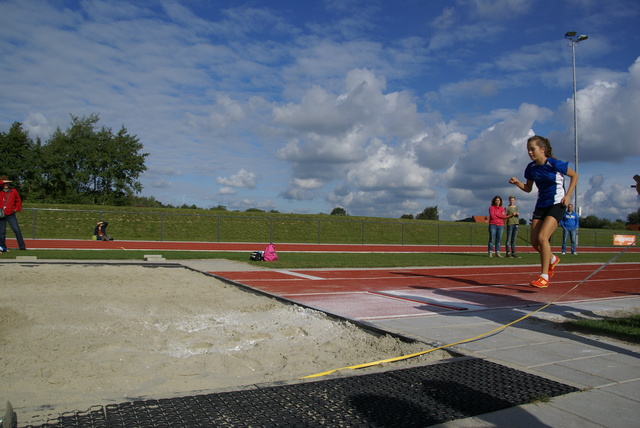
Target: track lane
{"points": [[368, 294]]}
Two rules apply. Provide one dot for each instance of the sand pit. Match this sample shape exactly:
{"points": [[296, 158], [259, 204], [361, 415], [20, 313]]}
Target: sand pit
{"points": [[74, 336]]}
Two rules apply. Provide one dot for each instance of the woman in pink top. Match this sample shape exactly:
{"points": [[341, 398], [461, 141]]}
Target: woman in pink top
{"points": [[497, 216]]}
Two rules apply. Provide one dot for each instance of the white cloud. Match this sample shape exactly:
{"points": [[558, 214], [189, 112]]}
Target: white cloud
{"points": [[613, 201], [608, 118], [440, 149], [469, 88], [227, 191], [361, 135], [497, 9], [391, 170], [243, 178], [446, 19], [297, 194], [532, 57], [311, 184]]}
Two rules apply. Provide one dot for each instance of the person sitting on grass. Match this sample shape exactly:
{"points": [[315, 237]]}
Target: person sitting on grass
{"points": [[100, 231]]}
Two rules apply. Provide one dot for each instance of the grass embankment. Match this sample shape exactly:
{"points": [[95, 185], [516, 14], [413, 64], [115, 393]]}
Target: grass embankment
{"points": [[49, 221]]}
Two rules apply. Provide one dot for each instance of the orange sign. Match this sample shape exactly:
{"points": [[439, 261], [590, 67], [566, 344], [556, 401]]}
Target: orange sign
{"points": [[625, 240]]}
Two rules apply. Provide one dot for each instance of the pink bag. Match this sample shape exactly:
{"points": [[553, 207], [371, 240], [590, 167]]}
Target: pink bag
{"points": [[269, 254]]}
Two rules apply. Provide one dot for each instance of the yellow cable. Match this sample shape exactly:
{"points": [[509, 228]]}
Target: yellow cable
{"points": [[405, 357]]}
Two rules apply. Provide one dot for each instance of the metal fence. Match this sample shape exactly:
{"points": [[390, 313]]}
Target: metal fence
{"points": [[165, 226]]}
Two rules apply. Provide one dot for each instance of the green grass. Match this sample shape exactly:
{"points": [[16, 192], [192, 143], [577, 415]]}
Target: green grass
{"points": [[625, 328], [540, 399], [293, 260]]}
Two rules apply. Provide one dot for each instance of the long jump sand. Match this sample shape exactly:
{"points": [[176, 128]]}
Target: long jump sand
{"points": [[73, 336]]}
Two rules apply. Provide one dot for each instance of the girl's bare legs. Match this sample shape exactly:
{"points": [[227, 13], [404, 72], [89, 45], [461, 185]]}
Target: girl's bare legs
{"points": [[541, 231]]}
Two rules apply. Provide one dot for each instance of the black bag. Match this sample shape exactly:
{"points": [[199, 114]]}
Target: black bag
{"points": [[1, 212], [256, 256]]}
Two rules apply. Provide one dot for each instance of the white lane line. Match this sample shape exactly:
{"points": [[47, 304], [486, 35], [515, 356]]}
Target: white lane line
{"points": [[300, 275]]}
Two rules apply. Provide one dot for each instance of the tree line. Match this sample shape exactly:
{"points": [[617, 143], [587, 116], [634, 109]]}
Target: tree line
{"points": [[84, 164]]}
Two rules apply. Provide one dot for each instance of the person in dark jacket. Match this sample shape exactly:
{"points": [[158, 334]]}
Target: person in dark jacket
{"points": [[100, 231], [11, 203]]}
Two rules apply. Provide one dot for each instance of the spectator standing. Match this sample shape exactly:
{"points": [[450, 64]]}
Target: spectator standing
{"points": [[570, 223], [497, 216], [11, 203], [512, 227]]}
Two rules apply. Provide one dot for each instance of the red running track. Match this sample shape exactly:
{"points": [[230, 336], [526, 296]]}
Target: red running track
{"points": [[394, 293]]}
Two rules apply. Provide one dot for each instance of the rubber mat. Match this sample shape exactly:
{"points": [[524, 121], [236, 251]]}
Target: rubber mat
{"points": [[413, 397]]}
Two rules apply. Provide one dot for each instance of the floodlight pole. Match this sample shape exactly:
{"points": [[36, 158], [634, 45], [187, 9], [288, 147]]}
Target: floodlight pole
{"points": [[574, 39]]}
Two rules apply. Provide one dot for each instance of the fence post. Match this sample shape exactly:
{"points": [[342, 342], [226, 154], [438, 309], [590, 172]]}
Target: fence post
{"points": [[402, 234], [219, 228], [161, 227], [318, 231], [271, 230], [362, 232], [33, 228]]}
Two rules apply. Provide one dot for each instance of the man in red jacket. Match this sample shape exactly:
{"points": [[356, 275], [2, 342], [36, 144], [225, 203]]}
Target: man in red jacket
{"points": [[11, 203]]}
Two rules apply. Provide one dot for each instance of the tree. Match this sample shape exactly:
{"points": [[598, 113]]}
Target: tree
{"points": [[88, 165], [634, 218], [429, 213], [407, 216], [19, 158], [338, 211], [590, 221], [617, 225]]}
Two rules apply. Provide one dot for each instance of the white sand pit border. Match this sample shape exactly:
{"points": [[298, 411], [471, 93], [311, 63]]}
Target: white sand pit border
{"points": [[74, 336]]}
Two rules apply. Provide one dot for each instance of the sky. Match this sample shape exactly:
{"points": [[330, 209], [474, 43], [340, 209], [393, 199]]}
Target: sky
{"points": [[380, 107]]}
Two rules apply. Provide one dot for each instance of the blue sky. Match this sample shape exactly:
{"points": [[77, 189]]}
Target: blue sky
{"points": [[381, 107]]}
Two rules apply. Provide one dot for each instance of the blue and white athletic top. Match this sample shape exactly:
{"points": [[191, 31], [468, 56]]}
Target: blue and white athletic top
{"points": [[549, 179]]}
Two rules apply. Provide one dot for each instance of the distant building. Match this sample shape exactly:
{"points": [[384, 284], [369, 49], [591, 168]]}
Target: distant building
{"points": [[481, 218]]}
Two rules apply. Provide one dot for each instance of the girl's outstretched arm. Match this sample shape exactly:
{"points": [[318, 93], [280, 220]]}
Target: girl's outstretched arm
{"points": [[526, 187]]}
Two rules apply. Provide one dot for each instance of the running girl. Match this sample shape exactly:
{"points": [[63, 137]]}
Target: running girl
{"points": [[548, 175]]}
